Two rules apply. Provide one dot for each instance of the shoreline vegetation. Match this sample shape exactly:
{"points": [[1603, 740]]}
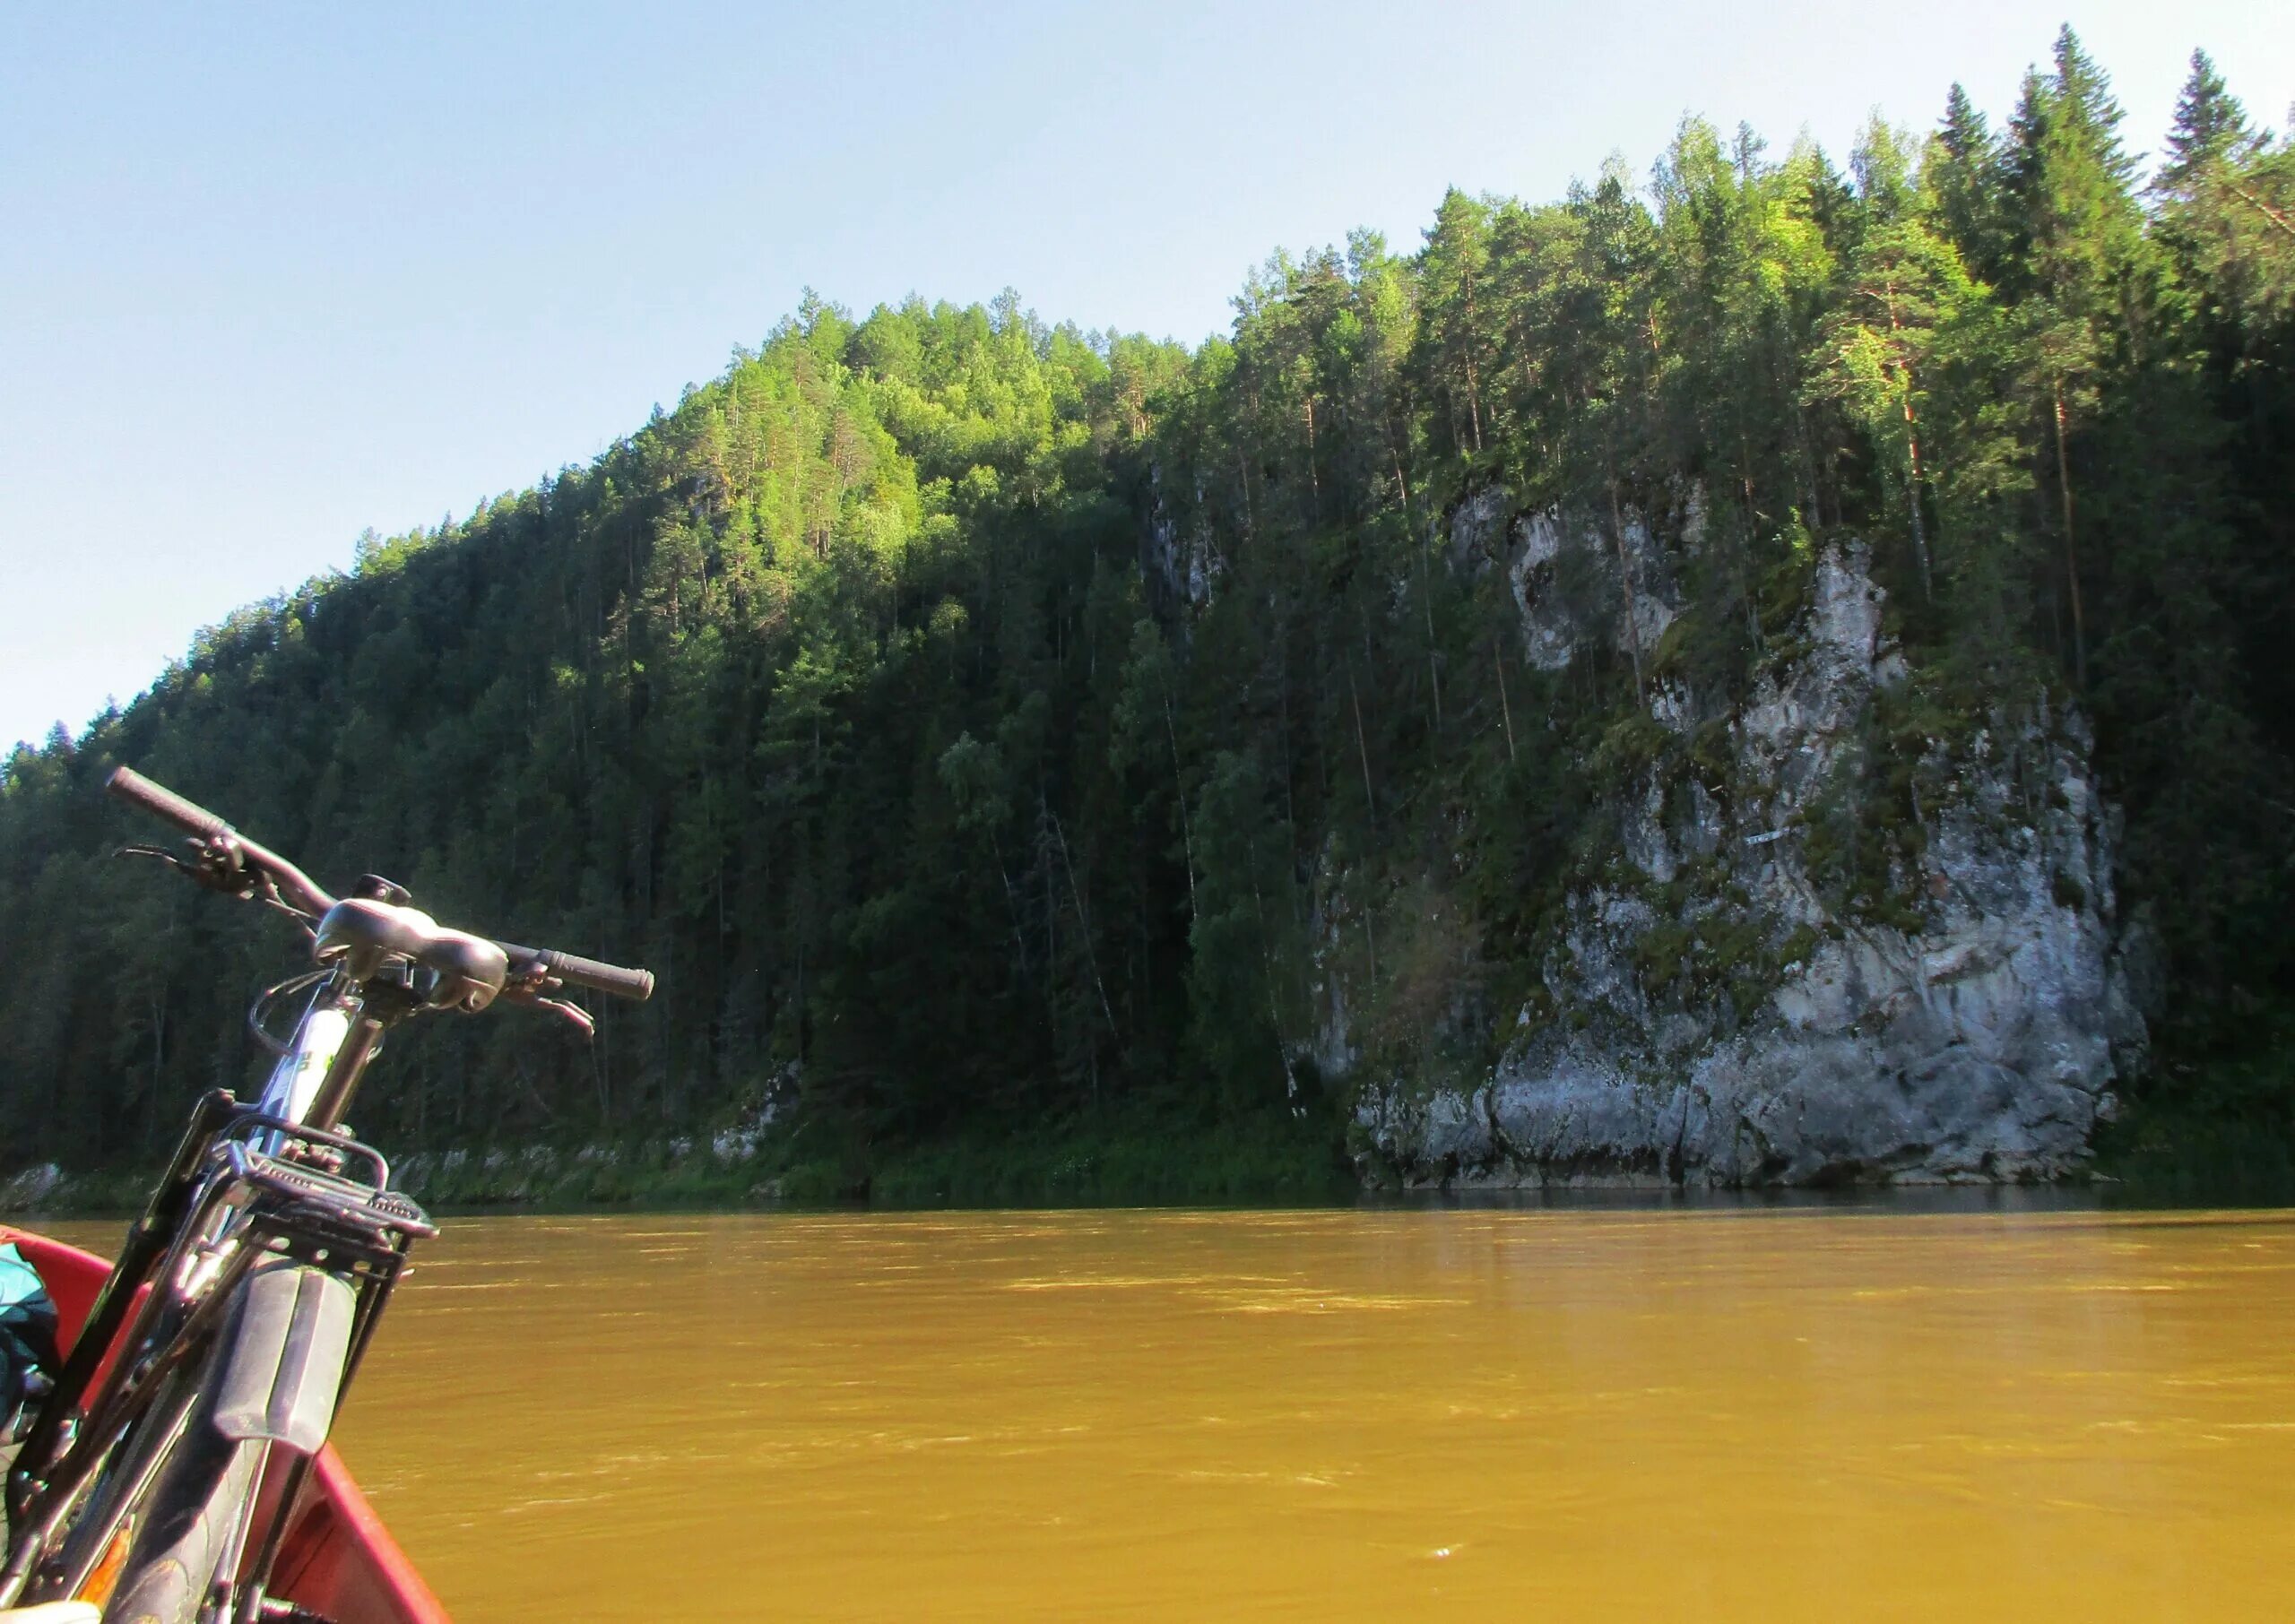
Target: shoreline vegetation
{"points": [[1051, 763], [2145, 1161], [1275, 1159]]}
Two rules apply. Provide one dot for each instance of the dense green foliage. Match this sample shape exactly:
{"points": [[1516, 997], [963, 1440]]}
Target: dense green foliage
{"points": [[979, 725]]}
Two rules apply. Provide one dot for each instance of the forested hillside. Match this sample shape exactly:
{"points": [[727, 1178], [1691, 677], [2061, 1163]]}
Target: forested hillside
{"points": [[975, 723]]}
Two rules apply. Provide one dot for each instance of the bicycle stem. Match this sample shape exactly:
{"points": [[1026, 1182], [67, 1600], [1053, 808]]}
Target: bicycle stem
{"points": [[360, 1046]]}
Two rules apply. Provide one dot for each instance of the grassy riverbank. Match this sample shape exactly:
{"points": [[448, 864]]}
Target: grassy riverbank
{"points": [[1117, 1163], [2225, 1136], [1119, 1158]]}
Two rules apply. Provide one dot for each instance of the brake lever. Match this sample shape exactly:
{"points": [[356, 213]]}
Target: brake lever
{"points": [[213, 870], [216, 865], [533, 992], [162, 853], [575, 1012]]}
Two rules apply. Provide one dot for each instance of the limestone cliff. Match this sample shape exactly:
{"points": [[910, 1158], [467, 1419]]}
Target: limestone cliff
{"points": [[1768, 984]]}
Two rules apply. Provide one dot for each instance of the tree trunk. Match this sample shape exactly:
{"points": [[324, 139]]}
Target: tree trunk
{"points": [[1426, 602], [1083, 922], [1505, 711], [1314, 482], [1625, 574], [1402, 484], [1809, 468], [1474, 378], [1919, 529], [1362, 750], [2267, 211], [1179, 788], [1912, 441], [2071, 553], [1267, 980], [1012, 901]]}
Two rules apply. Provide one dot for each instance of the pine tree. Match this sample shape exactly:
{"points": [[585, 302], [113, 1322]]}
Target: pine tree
{"points": [[2078, 238], [1451, 273], [1874, 351]]}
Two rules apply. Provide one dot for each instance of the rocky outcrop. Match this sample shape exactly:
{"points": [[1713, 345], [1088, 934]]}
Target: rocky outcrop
{"points": [[1581, 580], [1725, 1006], [1181, 564], [31, 1188]]}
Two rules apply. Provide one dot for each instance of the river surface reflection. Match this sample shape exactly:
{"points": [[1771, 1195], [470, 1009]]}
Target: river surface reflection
{"points": [[1343, 1415]]}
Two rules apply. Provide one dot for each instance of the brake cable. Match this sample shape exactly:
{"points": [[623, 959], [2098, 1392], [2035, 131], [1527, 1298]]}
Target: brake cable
{"points": [[260, 1008], [217, 868]]}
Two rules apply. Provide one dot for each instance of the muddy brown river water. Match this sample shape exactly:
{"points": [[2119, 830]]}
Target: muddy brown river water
{"points": [[1720, 1414]]}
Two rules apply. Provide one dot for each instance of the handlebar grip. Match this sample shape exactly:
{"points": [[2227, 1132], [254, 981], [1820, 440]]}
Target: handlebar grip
{"points": [[129, 784], [636, 985]]}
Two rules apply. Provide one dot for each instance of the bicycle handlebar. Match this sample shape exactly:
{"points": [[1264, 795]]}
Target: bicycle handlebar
{"points": [[301, 889], [129, 784], [200, 824], [633, 984]]}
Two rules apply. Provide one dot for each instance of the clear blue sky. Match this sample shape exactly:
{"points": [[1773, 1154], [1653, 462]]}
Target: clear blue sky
{"points": [[270, 275]]}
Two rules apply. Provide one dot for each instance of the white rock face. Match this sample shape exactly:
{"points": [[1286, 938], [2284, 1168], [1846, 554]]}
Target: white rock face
{"points": [[24, 1191], [1185, 566], [1980, 1044], [1478, 530], [1575, 575]]}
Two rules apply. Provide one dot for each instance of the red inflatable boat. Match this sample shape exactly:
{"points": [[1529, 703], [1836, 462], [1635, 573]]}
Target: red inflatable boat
{"points": [[338, 1561]]}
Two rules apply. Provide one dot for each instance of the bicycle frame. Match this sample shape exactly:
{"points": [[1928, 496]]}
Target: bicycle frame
{"points": [[257, 1197], [335, 1041], [302, 1073], [248, 1183]]}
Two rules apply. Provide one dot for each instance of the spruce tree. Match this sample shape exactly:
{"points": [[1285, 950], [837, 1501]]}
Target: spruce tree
{"points": [[1962, 176], [2210, 128]]}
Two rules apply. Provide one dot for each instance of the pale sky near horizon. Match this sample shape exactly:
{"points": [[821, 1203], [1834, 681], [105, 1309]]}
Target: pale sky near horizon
{"points": [[274, 275]]}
